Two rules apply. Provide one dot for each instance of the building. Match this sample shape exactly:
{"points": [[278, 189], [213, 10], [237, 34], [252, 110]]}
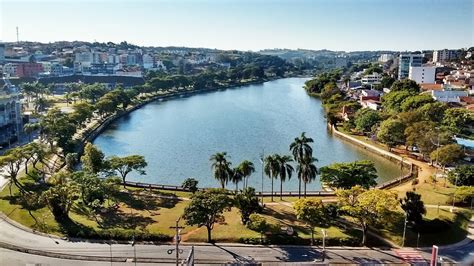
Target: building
{"points": [[28, 70], [422, 74], [10, 115], [2, 52], [385, 57], [406, 61], [448, 96], [444, 55], [148, 61], [371, 79]]}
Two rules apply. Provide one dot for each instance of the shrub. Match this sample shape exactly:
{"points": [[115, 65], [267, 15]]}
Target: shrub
{"points": [[257, 223]]}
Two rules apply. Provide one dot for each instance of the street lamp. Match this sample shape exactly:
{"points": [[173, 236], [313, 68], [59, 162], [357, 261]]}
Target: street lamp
{"points": [[455, 188], [404, 229], [177, 239], [134, 250], [262, 158], [323, 231]]}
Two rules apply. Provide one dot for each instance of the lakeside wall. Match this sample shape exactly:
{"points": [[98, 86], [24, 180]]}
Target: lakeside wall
{"points": [[381, 152]]}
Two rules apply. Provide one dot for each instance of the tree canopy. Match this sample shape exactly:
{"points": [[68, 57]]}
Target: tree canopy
{"points": [[347, 175]]}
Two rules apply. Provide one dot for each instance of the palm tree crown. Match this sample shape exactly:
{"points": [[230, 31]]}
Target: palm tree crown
{"points": [[221, 167], [285, 170], [246, 168], [307, 171], [300, 147]]}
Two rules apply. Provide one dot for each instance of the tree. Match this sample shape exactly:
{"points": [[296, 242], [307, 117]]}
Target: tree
{"points": [[458, 120], [464, 194], [348, 175], [246, 168], [425, 136], [56, 127], [190, 184], [368, 207], [11, 161], [94, 191], [29, 128], [391, 102], [284, 170], [106, 106], [416, 101], [413, 207], [236, 176], [82, 112], [206, 208], [405, 85], [366, 119], [124, 165], [247, 203], [300, 148], [271, 168], [313, 213], [462, 175], [258, 223], [221, 167], [92, 92], [71, 160], [307, 171], [447, 154], [61, 195], [391, 132], [433, 111], [93, 159]]}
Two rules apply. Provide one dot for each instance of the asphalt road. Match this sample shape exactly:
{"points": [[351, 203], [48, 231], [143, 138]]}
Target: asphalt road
{"points": [[119, 254]]}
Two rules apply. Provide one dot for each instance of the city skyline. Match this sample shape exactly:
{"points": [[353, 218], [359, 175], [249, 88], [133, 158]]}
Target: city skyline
{"points": [[245, 25]]}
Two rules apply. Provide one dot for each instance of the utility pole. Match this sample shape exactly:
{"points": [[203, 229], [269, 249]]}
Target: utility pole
{"points": [[17, 35], [177, 239]]}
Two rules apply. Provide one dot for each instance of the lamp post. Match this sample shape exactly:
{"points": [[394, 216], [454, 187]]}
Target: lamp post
{"points": [[262, 158], [323, 231], [134, 250], [404, 230], [177, 239], [454, 193]]}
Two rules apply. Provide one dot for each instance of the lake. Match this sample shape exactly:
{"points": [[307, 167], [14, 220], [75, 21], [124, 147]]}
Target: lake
{"points": [[178, 136]]}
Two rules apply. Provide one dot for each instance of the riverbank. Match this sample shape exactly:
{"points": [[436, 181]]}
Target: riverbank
{"points": [[413, 169]]}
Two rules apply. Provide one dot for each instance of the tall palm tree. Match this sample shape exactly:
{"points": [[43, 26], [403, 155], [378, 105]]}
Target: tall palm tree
{"points": [[236, 177], [221, 167], [285, 170], [307, 171], [271, 168], [246, 168], [300, 149]]}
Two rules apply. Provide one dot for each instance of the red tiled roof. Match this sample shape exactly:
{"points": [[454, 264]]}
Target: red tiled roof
{"points": [[431, 86], [467, 99]]}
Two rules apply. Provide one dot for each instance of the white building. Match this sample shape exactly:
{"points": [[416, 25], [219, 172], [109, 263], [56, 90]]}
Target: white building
{"points": [[385, 57], [371, 79], [444, 55], [422, 74], [448, 96], [148, 61], [84, 57], [406, 61]]}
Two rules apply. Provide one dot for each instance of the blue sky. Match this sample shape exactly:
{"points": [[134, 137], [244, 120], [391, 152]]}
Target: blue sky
{"points": [[348, 25]]}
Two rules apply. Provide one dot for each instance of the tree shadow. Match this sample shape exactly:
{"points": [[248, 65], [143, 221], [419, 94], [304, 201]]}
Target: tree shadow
{"points": [[145, 200], [112, 218]]}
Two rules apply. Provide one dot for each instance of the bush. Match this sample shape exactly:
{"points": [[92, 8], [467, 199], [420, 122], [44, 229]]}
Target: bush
{"points": [[257, 223], [415, 182], [464, 195]]}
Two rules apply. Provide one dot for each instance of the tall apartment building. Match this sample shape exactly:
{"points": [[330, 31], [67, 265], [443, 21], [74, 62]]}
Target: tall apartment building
{"points": [[406, 61], [2, 52], [10, 115], [422, 74], [444, 55], [385, 57]]}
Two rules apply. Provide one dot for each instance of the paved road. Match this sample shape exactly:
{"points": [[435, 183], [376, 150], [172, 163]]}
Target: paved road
{"points": [[13, 235]]}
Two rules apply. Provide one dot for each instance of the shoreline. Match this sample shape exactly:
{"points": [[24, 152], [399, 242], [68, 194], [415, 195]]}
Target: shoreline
{"points": [[94, 132]]}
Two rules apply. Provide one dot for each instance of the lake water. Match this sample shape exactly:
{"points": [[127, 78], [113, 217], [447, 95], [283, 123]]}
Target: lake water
{"points": [[178, 136]]}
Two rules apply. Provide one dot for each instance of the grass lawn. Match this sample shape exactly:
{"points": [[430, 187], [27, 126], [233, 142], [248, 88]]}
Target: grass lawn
{"points": [[431, 193]]}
